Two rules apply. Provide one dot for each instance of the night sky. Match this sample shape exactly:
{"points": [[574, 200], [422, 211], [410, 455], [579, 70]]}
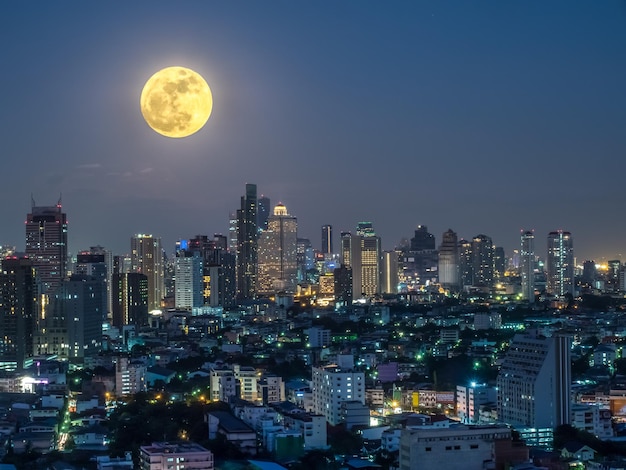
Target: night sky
{"points": [[481, 116]]}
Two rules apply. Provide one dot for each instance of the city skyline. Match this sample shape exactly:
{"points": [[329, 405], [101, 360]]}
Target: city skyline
{"points": [[482, 119]]}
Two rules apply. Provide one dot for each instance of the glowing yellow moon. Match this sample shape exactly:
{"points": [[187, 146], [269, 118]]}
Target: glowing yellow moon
{"points": [[176, 102]]}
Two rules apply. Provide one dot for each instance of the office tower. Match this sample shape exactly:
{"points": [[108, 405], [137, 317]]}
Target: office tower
{"points": [[332, 386], [499, 262], [421, 260], [46, 244], [327, 239], [527, 254], [306, 261], [466, 266], [534, 382], [560, 263], [342, 278], [389, 282], [73, 327], [448, 261], [247, 245], [130, 299], [19, 306], [482, 261], [232, 232], [263, 212], [189, 272], [147, 259], [218, 270], [613, 276], [277, 253], [362, 253], [98, 262]]}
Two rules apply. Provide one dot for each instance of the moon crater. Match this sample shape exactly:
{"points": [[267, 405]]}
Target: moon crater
{"points": [[176, 102]]}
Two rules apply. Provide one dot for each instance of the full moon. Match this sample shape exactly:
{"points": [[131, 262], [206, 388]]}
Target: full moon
{"points": [[176, 102]]}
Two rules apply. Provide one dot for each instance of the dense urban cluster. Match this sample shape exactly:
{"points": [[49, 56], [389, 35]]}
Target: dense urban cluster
{"points": [[254, 350]]}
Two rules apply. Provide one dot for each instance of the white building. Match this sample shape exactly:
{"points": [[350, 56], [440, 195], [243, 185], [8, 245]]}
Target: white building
{"points": [[271, 389], [223, 384], [332, 386], [593, 419], [318, 337], [175, 456], [247, 377], [311, 427], [130, 377], [460, 447], [534, 382], [470, 399]]}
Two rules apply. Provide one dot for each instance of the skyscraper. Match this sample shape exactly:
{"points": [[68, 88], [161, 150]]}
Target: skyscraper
{"points": [[19, 294], [189, 270], [147, 258], [362, 253], [98, 262], [448, 265], [327, 239], [277, 255], [560, 263], [534, 382], [527, 254], [422, 259], [263, 212], [389, 278], [130, 299], [247, 245], [46, 244], [482, 261]]}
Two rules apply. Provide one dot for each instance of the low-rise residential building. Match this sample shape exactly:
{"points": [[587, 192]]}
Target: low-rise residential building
{"points": [[175, 456]]}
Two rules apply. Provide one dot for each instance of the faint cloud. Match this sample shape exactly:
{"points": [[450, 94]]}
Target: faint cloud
{"points": [[146, 170], [89, 166]]}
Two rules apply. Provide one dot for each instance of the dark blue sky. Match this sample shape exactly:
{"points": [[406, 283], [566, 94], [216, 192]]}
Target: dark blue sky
{"points": [[484, 117]]}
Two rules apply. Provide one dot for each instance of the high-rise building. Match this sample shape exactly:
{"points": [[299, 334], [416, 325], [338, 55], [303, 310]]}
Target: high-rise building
{"points": [[72, 328], [306, 261], [362, 253], [263, 213], [527, 261], [147, 259], [46, 244], [466, 265], [421, 260], [277, 253], [247, 245], [189, 271], [327, 239], [534, 382], [560, 263], [448, 261], [342, 280], [98, 262], [613, 275], [482, 261], [19, 306], [130, 299], [389, 278]]}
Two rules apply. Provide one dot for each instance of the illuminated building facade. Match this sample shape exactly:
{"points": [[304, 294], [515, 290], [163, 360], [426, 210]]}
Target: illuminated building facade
{"points": [[482, 261], [448, 261], [19, 304], [247, 245], [46, 244], [389, 280], [560, 263], [327, 239], [147, 259], [188, 279], [130, 299], [362, 253], [277, 256], [527, 254], [534, 382]]}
